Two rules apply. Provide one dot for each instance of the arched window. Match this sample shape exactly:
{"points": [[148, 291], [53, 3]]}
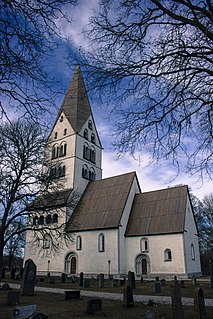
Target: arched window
{"points": [[101, 243], [63, 171], [56, 135], [46, 241], [35, 220], [90, 124], [78, 243], [41, 220], [53, 172], [61, 118], [92, 174], [92, 154], [86, 133], [93, 138], [85, 172], [65, 149], [192, 252], [86, 151], [55, 218], [167, 255], [48, 219], [65, 131], [144, 245], [55, 151]]}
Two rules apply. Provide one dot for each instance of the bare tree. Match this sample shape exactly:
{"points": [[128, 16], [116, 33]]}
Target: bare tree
{"points": [[153, 60], [26, 185], [29, 34]]}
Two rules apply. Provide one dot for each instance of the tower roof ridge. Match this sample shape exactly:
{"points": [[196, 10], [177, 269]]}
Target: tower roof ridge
{"points": [[76, 104]]}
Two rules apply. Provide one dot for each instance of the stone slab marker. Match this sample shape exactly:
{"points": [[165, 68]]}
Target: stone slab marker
{"points": [[101, 280], [81, 282], [128, 300], [131, 279], [28, 279], [199, 304], [177, 308]]}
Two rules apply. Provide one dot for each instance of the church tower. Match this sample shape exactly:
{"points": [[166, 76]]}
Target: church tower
{"points": [[74, 150]]}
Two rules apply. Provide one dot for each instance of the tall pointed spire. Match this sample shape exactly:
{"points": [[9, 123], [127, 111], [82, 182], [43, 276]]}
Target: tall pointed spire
{"points": [[76, 104]]}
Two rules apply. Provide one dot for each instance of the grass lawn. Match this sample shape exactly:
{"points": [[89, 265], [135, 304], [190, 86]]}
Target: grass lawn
{"points": [[55, 306]]}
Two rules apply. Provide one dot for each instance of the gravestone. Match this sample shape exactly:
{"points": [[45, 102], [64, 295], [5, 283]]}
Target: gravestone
{"points": [[149, 315], [13, 272], [81, 279], [157, 287], [86, 283], [182, 284], [115, 283], [194, 281], [163, 282], [6, 287], [177, 308], [51, 280], [131, 279], [128, 297], [101, 281], [23, 312], [28, 279], [93, 306], [199, 304], [38, 316], [13, 298], [63, 278], [72, 294]]}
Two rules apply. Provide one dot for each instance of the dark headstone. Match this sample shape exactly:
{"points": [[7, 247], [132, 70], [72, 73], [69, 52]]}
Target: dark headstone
{"points": [[156, 278], [23, 312], [128, 297], [175, 278], [177, 308], [182, 284], [93, 306], [51, 280], [28, 279], [131, 279], [6, 287], [13, 298], [115, 283], [13, 272], [199, 304], [63, 278], [163, 282], [141, 278], [72, 294], [3, 273], [81, 282], [157, 287], [149, 315], [101, 281], [86, 283], [38, 316]]}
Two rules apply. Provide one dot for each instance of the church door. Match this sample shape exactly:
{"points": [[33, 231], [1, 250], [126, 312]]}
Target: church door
{"points": [[144, 266], [73, 265]]}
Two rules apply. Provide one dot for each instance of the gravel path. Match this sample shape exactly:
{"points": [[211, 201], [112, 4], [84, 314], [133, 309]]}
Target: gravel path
{"points": [[117, 296]]}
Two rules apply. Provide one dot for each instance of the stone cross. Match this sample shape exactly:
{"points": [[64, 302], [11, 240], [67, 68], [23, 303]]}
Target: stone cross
{"points": [[28, 279]]}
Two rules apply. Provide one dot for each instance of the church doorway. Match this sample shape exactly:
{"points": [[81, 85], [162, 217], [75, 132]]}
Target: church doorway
{"points": [[70, 264], [142, 264]]}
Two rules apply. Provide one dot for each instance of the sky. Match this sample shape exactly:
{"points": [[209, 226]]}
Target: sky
{"points": [[151, 177]]}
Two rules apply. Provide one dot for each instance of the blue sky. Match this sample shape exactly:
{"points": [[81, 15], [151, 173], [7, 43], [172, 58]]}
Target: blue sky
{"points": [[151, 177]]}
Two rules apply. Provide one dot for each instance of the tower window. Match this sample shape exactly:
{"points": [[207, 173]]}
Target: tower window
{"points": [[48, 219], [85, 172], [61, 118], [46, 241], [65, 131], [56, 135], [55, 218], [92, 174], [90, 125], [86, 152], [144, 245], [86, 134], [78, 243], [92, 155], [93, 138]]}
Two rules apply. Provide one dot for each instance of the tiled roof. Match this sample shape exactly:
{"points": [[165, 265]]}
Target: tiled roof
{"points": [[158, 212], [51, 200], [76, 104], [102, 203]]}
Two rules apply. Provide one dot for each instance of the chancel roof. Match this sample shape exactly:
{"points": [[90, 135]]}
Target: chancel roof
{"points": [[158, 212], [76, 104], [102, 203]]}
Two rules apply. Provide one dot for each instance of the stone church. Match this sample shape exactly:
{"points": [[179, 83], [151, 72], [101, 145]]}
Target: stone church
{"points": [[114, 227]]}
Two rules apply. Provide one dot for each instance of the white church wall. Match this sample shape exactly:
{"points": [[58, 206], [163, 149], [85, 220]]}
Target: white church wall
{"points": [[192, 253], [89, 259], [122, 229], [157, 245]]}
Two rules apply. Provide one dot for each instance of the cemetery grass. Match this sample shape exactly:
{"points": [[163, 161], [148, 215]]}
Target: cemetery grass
{"points": [[55, 306]]}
